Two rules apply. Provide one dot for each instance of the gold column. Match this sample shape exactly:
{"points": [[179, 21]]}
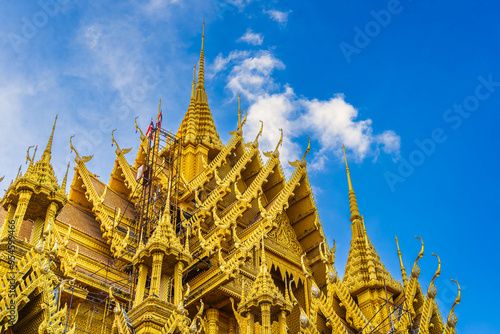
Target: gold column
{"points": [[265, 309], [22, 205], [213, 321], [156, 274], [51, 213], [165, 287], [37, 230], [200, 158], [41, 223], [178, 269], [141, 284], [250, 324], [10, 213], [282, 322], [232, 326]]}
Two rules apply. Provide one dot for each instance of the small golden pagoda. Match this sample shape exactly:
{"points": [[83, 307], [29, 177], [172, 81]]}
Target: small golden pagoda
{"points": [[195, 236]]}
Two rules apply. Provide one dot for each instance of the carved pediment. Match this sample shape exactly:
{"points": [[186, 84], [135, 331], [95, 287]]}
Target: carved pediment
{"points": [[284, 234]]}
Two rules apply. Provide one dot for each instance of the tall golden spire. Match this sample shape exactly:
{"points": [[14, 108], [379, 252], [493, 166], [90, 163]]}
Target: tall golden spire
{"points": [[197, 127], [403, 271], [364, 269], [48, 150], [352, 197], [201, 95]]}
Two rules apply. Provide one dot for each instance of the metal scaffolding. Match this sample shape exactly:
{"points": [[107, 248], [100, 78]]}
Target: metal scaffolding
{"points": [[163, 162]]}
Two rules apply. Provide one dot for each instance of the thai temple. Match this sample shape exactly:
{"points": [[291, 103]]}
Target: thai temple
{"points": [[194, 236]]}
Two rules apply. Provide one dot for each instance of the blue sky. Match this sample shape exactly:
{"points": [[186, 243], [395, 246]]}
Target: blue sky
{"points": [[411, 87]]}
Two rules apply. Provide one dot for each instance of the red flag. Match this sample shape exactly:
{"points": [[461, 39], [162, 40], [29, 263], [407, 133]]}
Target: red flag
{"points": [[150, 127], [159, 119]]}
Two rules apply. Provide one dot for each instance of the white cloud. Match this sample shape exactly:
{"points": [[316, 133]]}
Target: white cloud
{"points": [[330, 123], [391, 142], [251, 37], [111, 52], [240, 4], [220, 63], [251, 76], [278, 16]]}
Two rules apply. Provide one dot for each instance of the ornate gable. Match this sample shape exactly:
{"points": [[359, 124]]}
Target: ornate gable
{"points": [[284, 234]]}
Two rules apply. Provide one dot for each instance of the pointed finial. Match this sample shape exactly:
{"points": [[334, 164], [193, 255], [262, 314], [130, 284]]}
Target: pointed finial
{"points": [[65, 180], [193, 85], [403, 271], [239, 112], [263, 264], [287, 294], [203, 35], [19, 172], [201, 70], [48, 150], [352, 197]]}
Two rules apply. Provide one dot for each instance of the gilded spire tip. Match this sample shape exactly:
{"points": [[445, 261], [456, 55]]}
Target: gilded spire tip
{"points": [[403, 270], [193, 86], [239, 112], [48, 150], [352, 197], [201, 70], [65, 180]]}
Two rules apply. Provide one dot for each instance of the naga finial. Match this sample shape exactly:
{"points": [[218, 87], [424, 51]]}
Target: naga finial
{"points": [[416, 270], [110, 292], [304, 269], [322, 254], [197, 320], [28, 158], [73, 148], [280, 142], [438, 271], [292, 296], [452, 318], [124, 151], [307, 150], [138, 128], [255, 142], [431, 292], [186, 294], [114, 141], [262, 209]]}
